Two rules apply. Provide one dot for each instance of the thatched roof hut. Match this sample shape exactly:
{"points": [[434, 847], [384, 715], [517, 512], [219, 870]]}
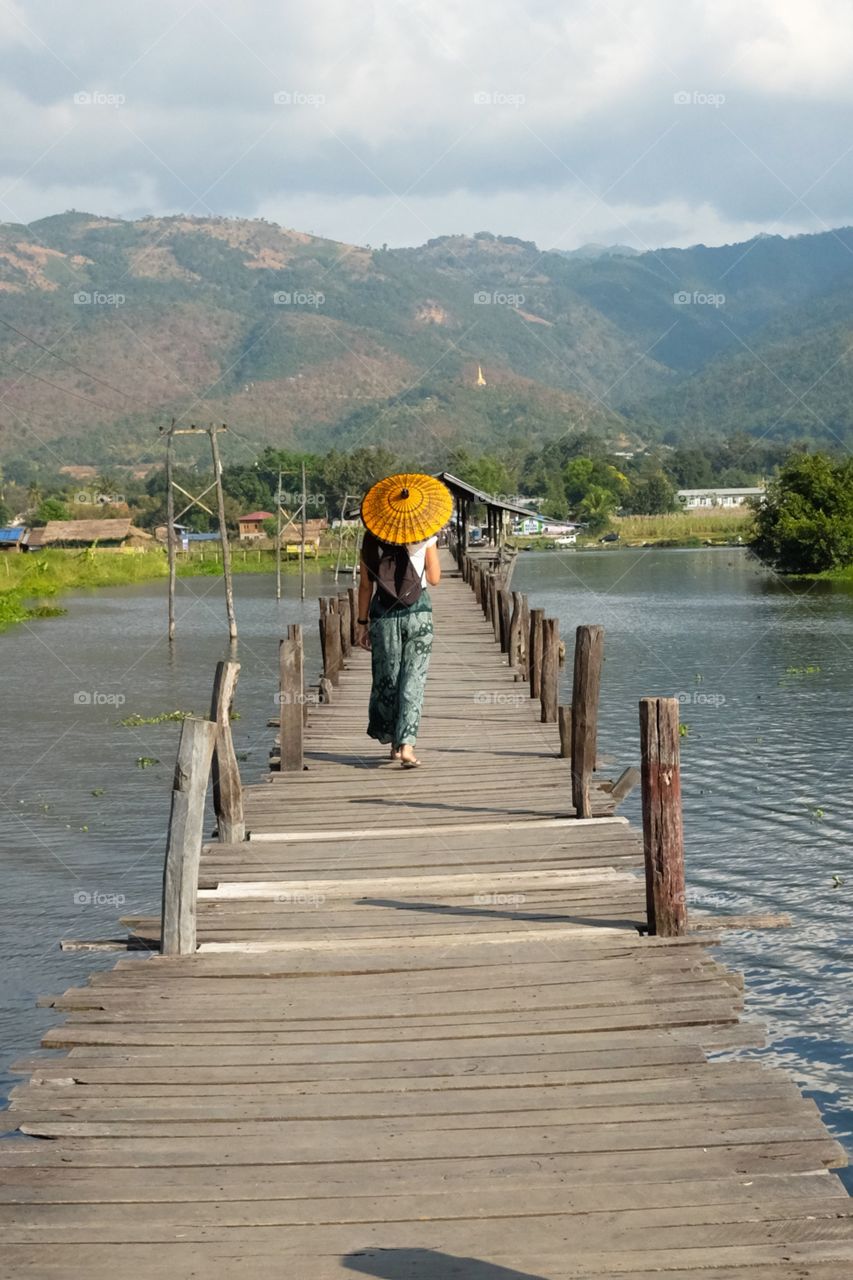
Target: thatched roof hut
{"points": [[87, 533]]}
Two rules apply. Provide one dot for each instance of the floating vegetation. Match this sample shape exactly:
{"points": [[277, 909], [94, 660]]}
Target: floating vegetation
{"points": [[837, 881], [97, 791], [802, 671], [132, 721], [683, 730], [146, 762], [816, 814]]}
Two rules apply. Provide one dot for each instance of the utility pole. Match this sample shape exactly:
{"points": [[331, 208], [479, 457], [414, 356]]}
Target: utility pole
{"points": [[278, 539], [223, 531], [170, 531], [197, 501], [302, 544]]}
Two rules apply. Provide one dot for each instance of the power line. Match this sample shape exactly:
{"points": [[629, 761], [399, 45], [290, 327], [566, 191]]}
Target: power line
{"points": [[70, 363]]}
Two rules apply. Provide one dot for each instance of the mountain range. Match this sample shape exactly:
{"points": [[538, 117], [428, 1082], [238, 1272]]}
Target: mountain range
{"points": [[109, 328]]}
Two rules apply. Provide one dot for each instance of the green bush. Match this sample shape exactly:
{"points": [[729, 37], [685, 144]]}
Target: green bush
{"points": [[804, 524]]}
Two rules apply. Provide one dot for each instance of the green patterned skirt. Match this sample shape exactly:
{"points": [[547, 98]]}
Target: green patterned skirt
{"points": [[400, 649]]}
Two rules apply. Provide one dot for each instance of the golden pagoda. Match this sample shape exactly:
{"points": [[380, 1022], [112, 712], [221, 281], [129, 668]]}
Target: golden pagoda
{"points": [[481, 381]]}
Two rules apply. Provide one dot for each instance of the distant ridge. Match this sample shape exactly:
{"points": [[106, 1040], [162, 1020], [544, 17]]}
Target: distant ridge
{"points": [[110, 326]]}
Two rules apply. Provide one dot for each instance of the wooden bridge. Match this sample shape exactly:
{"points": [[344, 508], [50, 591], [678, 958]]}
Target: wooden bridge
{"points": [[415, 1027]]}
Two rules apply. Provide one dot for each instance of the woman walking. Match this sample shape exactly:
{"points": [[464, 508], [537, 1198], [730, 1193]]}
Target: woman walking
{"points": [[402, 516]]}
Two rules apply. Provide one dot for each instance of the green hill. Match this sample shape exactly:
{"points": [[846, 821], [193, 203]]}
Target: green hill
{"points": [[108, 328]]}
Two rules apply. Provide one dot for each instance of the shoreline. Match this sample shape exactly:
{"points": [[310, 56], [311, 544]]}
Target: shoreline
{"points": [[31, 582]]}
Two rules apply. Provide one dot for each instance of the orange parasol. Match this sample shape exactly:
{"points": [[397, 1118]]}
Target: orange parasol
{"points": [[406, 508]]}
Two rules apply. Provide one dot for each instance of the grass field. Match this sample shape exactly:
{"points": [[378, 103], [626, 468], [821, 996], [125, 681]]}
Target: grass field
{"points": [[685, 527], [28, 580]]}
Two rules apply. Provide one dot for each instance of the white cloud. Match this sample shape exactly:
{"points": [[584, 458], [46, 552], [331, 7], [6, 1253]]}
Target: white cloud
{"points": [[380, 135]]}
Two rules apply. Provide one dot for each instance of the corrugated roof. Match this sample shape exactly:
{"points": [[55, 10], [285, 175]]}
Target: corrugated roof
{"points": [[459, 488], [12, 535], [258, 515]]}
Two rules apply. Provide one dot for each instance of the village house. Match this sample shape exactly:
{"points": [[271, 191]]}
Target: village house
{"points": [[697, 499], [107, 535], [12, 539], [252, 525]]}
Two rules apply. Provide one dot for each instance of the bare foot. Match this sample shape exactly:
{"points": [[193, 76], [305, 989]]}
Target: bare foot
{"points": [[395, 753], [408, 759]]}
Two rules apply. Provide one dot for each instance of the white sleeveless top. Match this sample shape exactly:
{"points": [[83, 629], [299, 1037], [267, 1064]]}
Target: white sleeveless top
{"points": [[417, 554]]}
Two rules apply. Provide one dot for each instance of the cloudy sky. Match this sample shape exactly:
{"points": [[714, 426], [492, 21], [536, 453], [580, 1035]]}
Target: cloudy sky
{"points": [[562, 121]]}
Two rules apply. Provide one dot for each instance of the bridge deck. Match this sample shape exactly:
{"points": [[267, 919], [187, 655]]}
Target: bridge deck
{"points": [[422, 1039]]}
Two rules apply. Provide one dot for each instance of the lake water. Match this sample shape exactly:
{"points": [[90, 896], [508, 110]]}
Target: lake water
{"points": [[764, 671]]}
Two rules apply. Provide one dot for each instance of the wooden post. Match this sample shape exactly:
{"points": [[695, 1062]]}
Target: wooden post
{"points": [[494, 605], [330, 627], [564, 719], [589, 655], [291, 700], [225, 772], [504, 597], [524, 639], [223, 535], [534, 650], [352, 593], [183, 846], [325, 687], [663, 835], [346, 623], [515, 631], [550, 674]]}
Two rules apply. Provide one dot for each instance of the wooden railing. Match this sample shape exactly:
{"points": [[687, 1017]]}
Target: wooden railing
{"points": [[532, 644]]}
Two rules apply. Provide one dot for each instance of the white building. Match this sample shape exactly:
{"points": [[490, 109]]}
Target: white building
{"points": [[699, 499]]}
